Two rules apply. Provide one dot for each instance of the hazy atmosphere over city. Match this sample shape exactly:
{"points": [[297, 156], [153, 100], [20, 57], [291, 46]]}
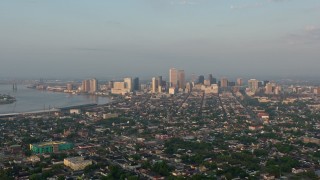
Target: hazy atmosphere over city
{"points": [[159, 89], [104, 38]]}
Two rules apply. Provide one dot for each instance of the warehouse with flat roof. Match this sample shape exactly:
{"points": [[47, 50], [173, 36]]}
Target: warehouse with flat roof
{"points": [[50, 147]]}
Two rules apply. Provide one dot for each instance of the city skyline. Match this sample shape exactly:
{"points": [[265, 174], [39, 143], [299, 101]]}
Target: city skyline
{"points": [[112, 39]]}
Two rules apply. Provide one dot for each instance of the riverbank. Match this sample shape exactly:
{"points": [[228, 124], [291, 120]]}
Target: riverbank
{"points": [[28, 100]]}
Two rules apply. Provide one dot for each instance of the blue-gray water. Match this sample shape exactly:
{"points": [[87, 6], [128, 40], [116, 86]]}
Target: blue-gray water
{"points": [[34, 100]]}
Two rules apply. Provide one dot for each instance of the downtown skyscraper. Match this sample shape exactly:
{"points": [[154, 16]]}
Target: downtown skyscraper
{"points": [[173, 77], [177, 78]]}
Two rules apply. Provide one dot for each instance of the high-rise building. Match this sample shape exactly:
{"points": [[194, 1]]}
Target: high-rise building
{"points": [[269, 88], [136, 84], [69, 87], [253, 85], [160, 84], [128, 83], [173, 77], [214, 81], [201, 79], [89, 85], [93, 85], [224, 82], [193, 78], [111, 84], [119, 85], [181, 79], [189, 87], [85, 87], [160, 81], [207, 82], [231, 83], [155, 85], [210, 78], [239, 82]]}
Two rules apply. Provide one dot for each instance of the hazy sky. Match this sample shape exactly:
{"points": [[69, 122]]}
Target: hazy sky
{"points": [[110, 38]]}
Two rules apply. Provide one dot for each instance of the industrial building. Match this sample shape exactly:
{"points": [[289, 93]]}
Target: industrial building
{"points": [[76, 163], [50, 147]]}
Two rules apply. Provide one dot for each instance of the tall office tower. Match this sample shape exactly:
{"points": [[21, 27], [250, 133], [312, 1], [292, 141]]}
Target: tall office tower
{"points": [[85, 87], [136, 84], [193, 78], [265, 82], [181, 79], [210, 78], [128, 83], [173, 77], [111, 84], [201, 79], [214, 81], [155, 85], [159, 79], [277, 90], [253, 85], [160, 84], [224, 82], [189, 86], [239, 82], [93, 85], [269, 88], [231, 84], [69, 87]]}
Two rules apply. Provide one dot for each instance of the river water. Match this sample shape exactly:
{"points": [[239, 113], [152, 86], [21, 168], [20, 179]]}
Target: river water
{"points": [[36, 100]]}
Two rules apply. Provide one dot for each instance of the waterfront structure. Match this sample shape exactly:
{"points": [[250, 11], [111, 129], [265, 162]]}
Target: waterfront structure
{"points": [[50, 147], [110, 84], [128, 83], [85, 87], [123, 87], [69, 87], [119, 85], [76, 163], [93, 85], [6, 99], [89, 85]]}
